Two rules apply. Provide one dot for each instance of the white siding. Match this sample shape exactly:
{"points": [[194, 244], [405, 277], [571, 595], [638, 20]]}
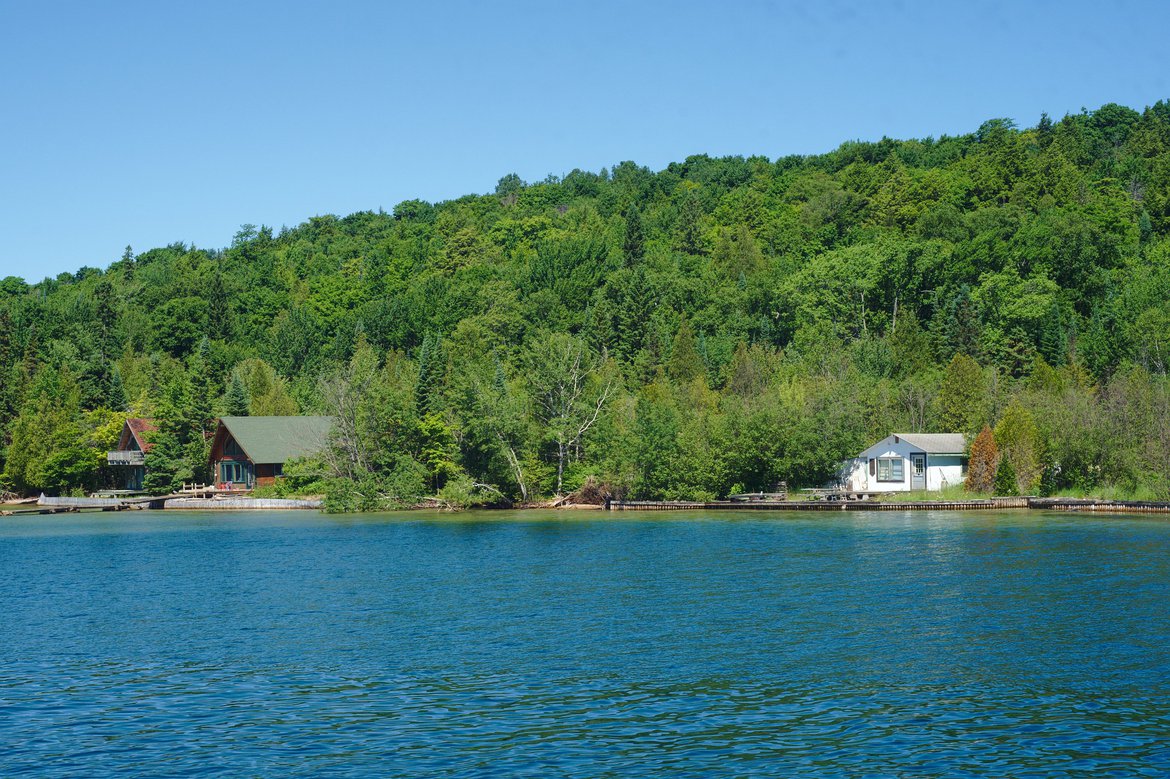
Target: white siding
{"points": [[942, 470]]}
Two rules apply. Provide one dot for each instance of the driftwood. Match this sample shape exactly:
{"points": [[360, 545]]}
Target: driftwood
{"points": [[592, 492]]}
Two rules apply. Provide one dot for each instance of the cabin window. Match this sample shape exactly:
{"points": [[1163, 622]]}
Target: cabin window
{"points": [[230, 447], [237, 472], [890, 469]]}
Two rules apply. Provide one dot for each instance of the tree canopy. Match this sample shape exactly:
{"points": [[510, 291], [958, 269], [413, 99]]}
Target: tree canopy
{"points": [[716, 326]]}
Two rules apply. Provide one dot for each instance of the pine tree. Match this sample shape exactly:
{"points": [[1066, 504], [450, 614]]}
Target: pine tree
{"points": [[430, 374], [633, 243], [219, 312], [180, 449], [203, 387], [685, 362], [128, 264], [116, 393], [1044, 131], [1005, 478], [236, 400], [689, 229], [8, 380]]}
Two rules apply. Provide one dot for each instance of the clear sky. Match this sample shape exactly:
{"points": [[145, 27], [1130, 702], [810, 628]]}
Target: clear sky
{"points": [[146, 123]]}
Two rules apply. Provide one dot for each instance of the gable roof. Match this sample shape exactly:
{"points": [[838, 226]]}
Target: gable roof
{"points": [[936, 443], [138, 428], [277, 439]]}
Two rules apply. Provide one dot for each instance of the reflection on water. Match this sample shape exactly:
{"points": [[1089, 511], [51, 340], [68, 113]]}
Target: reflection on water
{"points": [[540, 645]]}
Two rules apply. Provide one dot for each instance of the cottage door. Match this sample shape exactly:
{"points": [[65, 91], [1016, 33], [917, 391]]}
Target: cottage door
{"points": [[918, 471]]}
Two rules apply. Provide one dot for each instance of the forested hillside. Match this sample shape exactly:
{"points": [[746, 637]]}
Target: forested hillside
{"points": [[717, 326]]}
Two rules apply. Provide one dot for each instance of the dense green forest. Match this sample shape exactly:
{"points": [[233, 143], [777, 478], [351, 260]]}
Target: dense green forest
{"points": [[717, 326]]}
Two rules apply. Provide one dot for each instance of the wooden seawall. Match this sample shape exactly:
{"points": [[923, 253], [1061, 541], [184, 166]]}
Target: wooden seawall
{"points": [[177, 501], [817, 505], [1044, 504], [240, 504], [1089, 504]]}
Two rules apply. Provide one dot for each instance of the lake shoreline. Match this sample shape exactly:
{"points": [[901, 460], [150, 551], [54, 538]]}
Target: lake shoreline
{"points": [[1074, 505]]}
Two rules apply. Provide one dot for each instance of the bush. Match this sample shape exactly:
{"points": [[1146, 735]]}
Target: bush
{"points": [[343, 496], [402, 487], [461, 492]]}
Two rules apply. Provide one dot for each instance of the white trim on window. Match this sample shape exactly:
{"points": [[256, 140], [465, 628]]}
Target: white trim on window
{"points": [[891, 469]]}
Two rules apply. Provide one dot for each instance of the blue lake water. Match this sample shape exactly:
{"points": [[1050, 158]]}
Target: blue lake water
{"points": [[541, 644]]}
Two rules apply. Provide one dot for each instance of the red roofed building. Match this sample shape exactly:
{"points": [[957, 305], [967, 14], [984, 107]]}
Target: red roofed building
{"points": [[130, 456]]}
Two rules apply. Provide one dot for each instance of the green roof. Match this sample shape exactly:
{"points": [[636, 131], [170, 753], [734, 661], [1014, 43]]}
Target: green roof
{"points": [[279, 439]]}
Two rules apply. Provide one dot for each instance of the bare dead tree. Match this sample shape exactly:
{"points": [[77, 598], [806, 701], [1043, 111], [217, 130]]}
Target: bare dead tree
{"points": [[568, 394], [348, 454]]}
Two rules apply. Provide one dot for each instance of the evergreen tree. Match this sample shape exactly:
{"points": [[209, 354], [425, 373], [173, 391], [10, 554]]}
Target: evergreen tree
{"points": [[180, 450], [128, 264], [236, 400], [1044, 131], [983, 462], [203, 387], [116, 394], [685, 362], [688, 234], [633, 243], [1006, 482], [9, 383], [431, 367], [219, 311]]}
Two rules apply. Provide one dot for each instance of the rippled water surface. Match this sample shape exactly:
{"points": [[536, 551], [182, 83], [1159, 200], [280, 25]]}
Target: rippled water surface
{"points": [[927, 644]]}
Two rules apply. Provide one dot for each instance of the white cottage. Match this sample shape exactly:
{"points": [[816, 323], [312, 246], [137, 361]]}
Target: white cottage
{"points": [[908, 461]]}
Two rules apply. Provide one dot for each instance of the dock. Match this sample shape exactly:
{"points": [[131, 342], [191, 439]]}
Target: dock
{"points": [[20, 510]]}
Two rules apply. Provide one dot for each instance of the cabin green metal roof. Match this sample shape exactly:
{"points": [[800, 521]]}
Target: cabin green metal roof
{"points": [[279, 439]]}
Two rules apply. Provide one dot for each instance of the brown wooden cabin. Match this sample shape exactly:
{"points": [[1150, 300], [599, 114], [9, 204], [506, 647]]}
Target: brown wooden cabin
{"points": [[129, 459], [249, 452]]}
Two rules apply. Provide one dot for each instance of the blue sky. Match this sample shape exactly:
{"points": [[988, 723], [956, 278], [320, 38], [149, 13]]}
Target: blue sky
{"points": [[147, 123]]}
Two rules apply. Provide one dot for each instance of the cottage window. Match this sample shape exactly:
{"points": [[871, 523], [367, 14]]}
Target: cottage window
{"points": [[890, 469], [231, 448], [236, 472]]}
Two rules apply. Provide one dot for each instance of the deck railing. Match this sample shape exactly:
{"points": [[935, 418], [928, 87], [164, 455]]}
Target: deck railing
{"points": [[126, 457]]}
